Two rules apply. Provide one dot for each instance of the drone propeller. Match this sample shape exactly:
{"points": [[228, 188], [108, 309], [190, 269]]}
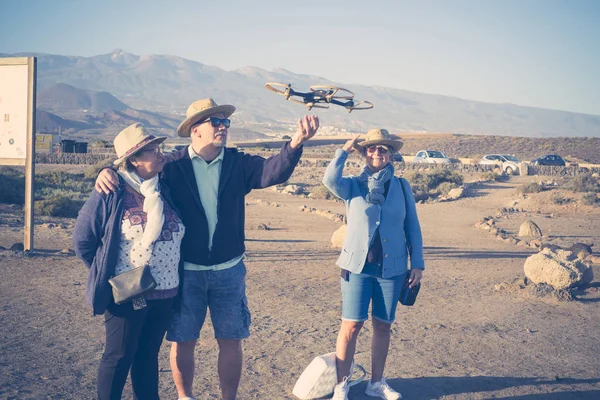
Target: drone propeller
{"points": [[280, 88], [361, 105]]}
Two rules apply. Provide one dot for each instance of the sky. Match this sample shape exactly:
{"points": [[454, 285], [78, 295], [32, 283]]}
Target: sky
{"points": [[539, 53]]}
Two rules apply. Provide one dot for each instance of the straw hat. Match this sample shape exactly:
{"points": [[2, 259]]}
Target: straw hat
{"points": [[200, 110], [132, 139], [380, 136]]}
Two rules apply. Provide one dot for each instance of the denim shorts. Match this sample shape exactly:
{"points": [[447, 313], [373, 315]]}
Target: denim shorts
{"points": [[361, 289], [223, 293]]}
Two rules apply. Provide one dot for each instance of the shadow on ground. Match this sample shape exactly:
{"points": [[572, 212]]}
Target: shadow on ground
{"points": [[477, 386]]}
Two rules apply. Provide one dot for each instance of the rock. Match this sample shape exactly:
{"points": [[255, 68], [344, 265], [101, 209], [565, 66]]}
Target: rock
{"points": [[303, 208], [292, 189], [529, 229], [455, 193], [535, 244], [522, 243], [337, 239], [263, 227], [578, 248], [593, 259], [67, 251], [17, 247], [557, 268]]}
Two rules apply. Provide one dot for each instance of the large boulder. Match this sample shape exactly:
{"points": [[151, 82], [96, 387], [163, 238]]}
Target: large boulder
{"points": [[337, 239], [455, 193], [558, 268], [529, 229]]}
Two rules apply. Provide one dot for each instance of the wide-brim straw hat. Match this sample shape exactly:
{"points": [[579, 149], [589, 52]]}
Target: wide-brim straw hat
{"points": [[133, 139], [380, 136], [200, 110]]}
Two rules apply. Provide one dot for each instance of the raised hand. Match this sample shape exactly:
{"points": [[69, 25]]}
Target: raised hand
{"points": [[307, 128], [349, 146]]}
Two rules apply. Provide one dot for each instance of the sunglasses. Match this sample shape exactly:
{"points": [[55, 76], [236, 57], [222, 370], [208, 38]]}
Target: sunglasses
{"points": [[379, 149], [216, 122]]}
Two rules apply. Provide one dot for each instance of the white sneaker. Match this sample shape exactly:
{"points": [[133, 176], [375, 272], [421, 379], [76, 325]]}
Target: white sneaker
{"points": [[340, 392], [383, 390]]}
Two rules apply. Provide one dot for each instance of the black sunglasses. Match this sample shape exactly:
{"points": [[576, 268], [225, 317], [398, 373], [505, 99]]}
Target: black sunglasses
{"points": [[216, 122]]}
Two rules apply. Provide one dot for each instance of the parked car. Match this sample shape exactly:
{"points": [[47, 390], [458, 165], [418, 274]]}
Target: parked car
{"points": [[431, 157], [508, 163], [398, 157], [549, 159]]}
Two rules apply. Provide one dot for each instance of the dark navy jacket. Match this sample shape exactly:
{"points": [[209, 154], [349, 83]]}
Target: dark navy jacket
{"points": [[240, 173], [96, 238]]}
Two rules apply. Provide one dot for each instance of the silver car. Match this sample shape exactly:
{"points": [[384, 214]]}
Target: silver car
{"points": [[509, 164], [431, 157]]}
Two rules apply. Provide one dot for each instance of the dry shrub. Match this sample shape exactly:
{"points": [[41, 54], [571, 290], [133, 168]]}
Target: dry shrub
{"points": [[585, 183], [12, 184], [321, 192], [58, 206], [558, 198], [531, 187], [590, 199], [93, 171]]}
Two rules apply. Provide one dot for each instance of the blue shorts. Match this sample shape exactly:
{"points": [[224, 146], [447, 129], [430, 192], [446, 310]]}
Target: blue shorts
{"points": [[360, 289], [224, 293]]}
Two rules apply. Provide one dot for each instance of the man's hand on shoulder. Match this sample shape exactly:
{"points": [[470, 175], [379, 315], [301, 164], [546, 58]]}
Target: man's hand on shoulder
{"points": [[307, 128], [107, 181]]}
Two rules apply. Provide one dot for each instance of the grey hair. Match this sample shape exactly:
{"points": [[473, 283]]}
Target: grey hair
{"points": [[126, 166]]}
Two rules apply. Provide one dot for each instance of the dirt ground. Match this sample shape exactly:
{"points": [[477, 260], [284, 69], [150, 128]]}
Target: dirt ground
{"points": [[462, 339]]}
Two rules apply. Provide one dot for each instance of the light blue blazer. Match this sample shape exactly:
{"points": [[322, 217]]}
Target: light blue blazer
{"points": [[398, 223]]}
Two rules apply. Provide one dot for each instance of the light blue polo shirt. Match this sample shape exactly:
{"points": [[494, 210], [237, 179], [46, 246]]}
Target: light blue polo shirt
{"points": [[207, 180]]}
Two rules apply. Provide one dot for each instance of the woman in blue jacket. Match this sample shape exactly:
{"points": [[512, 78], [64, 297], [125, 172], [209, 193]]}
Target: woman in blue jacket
{"points": [[135, 226], [383, 231]]}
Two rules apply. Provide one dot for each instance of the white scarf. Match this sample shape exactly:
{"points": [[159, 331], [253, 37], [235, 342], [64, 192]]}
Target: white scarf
{"points": [[153, 207]]}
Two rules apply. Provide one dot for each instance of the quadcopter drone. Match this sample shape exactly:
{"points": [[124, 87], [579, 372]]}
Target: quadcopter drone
{"points": [[320, 96]]}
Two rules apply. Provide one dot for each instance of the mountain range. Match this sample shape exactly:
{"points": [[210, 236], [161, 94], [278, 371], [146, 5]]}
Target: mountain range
{"points": [[117, 88]]}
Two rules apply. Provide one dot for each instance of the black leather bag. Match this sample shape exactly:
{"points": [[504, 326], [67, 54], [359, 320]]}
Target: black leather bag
{"points": [[408, 295], [132, 284]]}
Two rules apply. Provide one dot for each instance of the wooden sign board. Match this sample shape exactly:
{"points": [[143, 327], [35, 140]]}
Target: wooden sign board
{"points": [[18, 78]]}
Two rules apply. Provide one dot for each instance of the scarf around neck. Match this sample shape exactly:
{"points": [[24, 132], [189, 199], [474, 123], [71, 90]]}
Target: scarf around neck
{"points": [[375, 183], [153, 207]]}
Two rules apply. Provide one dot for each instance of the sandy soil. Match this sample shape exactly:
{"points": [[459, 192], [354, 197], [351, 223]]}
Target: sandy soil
{"points": [[462, 340]]}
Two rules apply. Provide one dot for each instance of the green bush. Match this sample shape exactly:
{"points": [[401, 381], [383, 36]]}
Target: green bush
{"points": [[92, 171], [58, 206], [584, 183], [427, 184], [531, 187], [12, 183], [590, 199], [57, 182]]}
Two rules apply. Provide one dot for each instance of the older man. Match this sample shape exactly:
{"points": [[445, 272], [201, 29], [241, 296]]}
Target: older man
{"points": [[208, 184]]}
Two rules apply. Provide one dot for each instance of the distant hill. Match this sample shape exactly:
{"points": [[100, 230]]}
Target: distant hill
{"points": [[168, 84], [48, 122], [63, 97]]}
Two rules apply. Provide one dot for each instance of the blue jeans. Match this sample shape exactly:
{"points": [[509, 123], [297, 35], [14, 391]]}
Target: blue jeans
{"points": [[224, 293], [359, 290]]}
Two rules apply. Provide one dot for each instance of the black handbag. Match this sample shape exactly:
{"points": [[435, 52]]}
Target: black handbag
{"points": [[408, 295], [132, 284]]}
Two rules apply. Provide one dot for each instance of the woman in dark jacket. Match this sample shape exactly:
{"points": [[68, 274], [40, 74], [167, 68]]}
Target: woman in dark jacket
{"points": [[115, 233]]}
